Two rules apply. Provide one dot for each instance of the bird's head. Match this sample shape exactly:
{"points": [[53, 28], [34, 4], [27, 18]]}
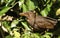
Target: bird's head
{"points": [[28, 14]]}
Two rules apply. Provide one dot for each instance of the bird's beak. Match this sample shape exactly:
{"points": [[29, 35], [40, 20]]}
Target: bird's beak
{"points": [[22, 14]]}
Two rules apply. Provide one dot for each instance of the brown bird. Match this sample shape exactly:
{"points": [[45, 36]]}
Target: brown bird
{"points": [[37, 21]]}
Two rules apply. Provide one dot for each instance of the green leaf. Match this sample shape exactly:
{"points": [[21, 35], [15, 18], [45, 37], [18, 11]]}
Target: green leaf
{"points": [[16, 34], [58, 12], [14, 23], [8, 36], [30, 5], [6, 25], [4, 10], [26, 35], [25, 25], [8, 3], [30, 35], [46, 10], [35, 35], [24, 8], [47, 36]]}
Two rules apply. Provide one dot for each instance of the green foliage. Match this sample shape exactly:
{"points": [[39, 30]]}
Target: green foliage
{"points": [[30, 35], [4, 10], [25, 25], [16, 34], [6, 25], [46, 10], [14, 23], [28, 5], [24, 8], [17, 28], [8, 36]]}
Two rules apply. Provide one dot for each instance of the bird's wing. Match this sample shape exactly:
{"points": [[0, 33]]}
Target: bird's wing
{"points": [[44, 23]]}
